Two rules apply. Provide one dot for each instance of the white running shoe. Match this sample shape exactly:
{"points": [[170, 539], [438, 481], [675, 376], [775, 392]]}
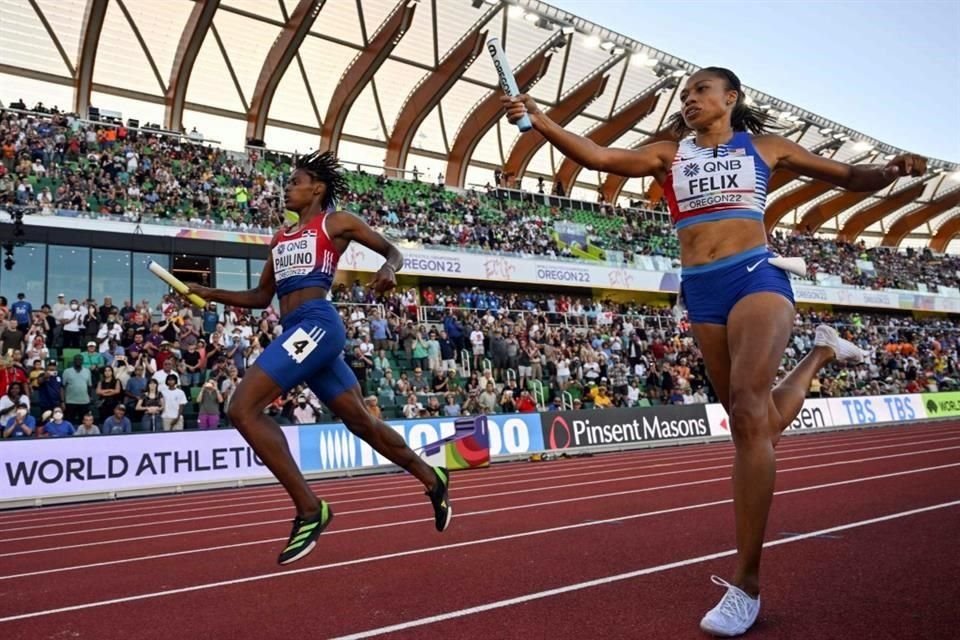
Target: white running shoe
{"points": [[845, 351], [735, 613]]}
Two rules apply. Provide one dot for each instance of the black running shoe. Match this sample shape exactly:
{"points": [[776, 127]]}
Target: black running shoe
{"points": [[440, 499], [303, 536]]}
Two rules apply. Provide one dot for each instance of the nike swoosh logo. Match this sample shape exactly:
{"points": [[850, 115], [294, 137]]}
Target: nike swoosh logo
{"points": [[754, 266]]}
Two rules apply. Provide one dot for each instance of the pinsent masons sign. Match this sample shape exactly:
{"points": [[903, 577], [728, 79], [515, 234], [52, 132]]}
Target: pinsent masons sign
{"points": [[604, 427]]}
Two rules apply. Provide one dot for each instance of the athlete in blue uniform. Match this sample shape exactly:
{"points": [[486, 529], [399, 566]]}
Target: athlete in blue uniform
{"points": [[303, 261], [739, 300]]}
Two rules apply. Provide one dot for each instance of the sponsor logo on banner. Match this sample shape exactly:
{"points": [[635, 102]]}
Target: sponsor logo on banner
{"points": [[807, 294], [38, 468], [814, 414], [554, 273], [432, 264], [327, 447], [620, 278], [576, 429], [877, 409], [942, 405], [352, 258], [498, 268]]}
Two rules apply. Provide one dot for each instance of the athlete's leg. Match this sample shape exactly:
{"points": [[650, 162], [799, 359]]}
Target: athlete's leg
{"points": [[758, 329], [337, 387], [255, 391], [786, 399]]}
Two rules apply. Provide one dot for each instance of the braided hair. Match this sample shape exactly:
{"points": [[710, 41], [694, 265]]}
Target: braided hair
{"points": [[325, 167], [743, 118]]}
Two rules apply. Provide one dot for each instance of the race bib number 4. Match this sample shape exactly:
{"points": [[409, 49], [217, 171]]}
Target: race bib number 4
{"points": [[301, 344]]}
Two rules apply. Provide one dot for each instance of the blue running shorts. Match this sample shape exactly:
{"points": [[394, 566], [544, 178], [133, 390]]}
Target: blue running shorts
{"points": [[710, 291], [310, 350]]}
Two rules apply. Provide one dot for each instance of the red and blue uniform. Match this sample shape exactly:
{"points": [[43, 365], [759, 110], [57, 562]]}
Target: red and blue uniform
{"points": [[707, 184], [311, 347]]}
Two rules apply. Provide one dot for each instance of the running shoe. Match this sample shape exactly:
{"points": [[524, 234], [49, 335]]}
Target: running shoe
{"points": [[734, 614], [303, 536], [846, 351], [440, 499]]}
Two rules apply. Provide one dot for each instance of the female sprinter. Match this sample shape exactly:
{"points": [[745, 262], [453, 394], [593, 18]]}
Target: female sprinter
{"points": [[740, 305], [301, 269]]}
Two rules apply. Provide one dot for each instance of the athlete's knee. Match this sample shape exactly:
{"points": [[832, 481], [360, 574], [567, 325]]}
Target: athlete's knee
{"points": [[238, 414], [749, 413]]}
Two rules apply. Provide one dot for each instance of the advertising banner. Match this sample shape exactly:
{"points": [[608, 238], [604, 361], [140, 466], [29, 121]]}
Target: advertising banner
{"points": [[815, 414], [90, 464], [597, 428], [326, 447], [868, 410], [942, 405]]}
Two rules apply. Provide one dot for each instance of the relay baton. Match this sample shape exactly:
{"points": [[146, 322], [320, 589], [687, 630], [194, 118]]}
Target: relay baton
{"points": [[507, 82], [175, 283]]}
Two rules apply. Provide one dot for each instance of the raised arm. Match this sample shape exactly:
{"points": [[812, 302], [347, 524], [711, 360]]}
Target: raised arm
{"points": [[787, 154], [649, 160], [345, 228], [257, 298]]}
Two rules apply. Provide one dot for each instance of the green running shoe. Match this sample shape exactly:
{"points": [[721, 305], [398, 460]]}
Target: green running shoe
{"points": [[440, 499], [303, 536]]}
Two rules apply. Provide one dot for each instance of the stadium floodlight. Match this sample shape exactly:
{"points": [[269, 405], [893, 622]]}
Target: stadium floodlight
{"points": [[618, 51], [607, 45], [531, 17], [567, 30], [678, 73], [889, 156], [591, 42], [861, 146], [516, 11], [492, 1]]}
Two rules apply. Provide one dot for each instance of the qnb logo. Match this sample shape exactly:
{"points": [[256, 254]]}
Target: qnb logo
{"points": [[559, 436], [691, 170]]}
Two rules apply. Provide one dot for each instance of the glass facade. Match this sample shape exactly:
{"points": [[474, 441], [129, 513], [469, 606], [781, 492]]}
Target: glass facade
{"points": [[42, 271], [110, 275], [68, 272], [231, 274]]}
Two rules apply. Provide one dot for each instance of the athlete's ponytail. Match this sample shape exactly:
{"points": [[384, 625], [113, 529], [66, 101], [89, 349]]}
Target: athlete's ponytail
{"points": [[743, 118], [324, 167]]}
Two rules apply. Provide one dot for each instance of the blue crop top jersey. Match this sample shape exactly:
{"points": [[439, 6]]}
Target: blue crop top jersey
{"points": [[707, 184], [304, 258]]}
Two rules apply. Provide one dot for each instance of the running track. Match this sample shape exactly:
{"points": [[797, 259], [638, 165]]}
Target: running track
{"points": [[862, 543]]}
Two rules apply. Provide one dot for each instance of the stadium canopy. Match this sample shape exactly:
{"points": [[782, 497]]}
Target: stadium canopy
{"points": [[408, 84]]}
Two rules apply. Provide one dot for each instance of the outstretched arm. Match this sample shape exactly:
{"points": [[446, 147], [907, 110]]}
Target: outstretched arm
{"points": [[852, 177], [649, 160], [257, 298], [350, 228]]}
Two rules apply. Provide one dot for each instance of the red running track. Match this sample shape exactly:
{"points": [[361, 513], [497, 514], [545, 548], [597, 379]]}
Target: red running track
{"points": [[861, 543]]}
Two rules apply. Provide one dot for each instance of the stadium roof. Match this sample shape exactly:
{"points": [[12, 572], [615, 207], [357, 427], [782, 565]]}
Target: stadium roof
{"points": [[408, 84]]}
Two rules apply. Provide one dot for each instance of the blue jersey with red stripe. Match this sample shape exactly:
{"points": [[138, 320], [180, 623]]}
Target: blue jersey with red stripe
{"points": [[304, 258], [705, 184]]}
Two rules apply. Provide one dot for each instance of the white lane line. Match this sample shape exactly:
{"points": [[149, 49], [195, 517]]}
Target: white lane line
{"points": [[152, 523], [219, 498], [468, 498], [471, 543], [620, 577], [532, 505]]}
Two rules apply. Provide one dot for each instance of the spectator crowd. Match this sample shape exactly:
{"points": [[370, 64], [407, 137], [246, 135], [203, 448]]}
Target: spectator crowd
{"points": [[77, 367], [54, 162]]}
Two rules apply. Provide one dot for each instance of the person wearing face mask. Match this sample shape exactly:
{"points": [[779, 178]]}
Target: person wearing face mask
{"points": [[14, 398], [72, 322], [21, 425], [55, 426]]}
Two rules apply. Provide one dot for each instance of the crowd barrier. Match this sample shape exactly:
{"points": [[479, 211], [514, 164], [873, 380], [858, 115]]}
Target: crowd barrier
{"points": [[34, 472]]}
